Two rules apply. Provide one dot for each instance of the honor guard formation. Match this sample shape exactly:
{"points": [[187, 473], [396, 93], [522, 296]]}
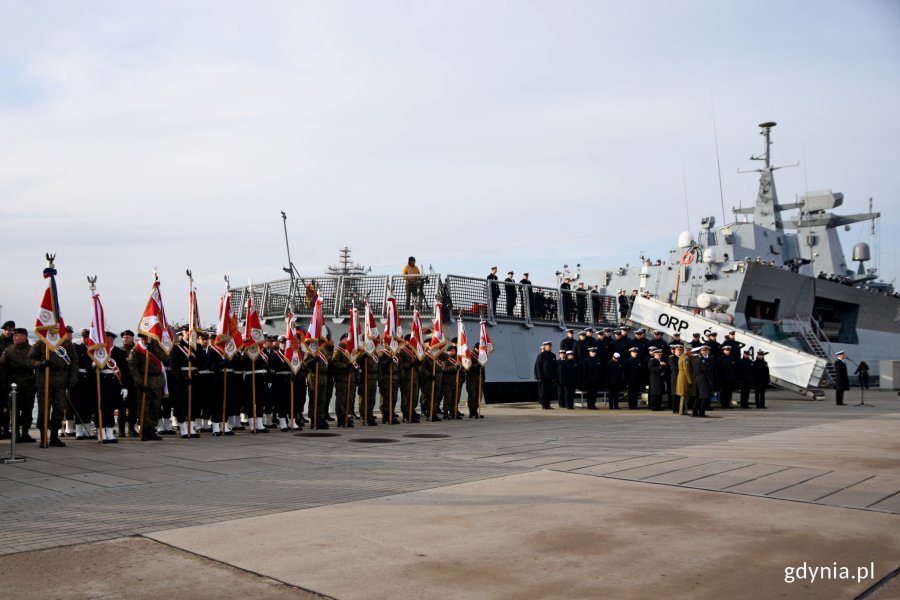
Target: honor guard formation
{"points": [[683, 376]]}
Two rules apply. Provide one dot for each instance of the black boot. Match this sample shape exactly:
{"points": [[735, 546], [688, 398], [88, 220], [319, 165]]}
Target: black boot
{"points": [[55, 441]]}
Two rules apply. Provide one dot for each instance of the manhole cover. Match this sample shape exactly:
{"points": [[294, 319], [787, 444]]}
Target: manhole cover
{"points": [[373, 440], [426, 435], [317, 434]]}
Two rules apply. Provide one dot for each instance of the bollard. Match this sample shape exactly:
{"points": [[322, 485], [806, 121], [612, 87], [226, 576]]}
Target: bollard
{"points": [[11, 460]]}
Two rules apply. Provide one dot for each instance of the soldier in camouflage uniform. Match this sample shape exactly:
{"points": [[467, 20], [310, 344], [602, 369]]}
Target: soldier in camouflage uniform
{"points": [[17, 368], [473, 378], [368, 387], [152, 391], [6, 340], [318, 404], [63, 368]]}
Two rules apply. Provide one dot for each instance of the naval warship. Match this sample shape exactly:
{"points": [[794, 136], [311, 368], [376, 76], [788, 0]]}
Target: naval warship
{"points": [[783, 281]]}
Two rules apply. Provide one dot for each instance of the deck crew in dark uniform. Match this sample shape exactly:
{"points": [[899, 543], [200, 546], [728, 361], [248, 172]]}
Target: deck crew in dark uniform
{"points": [[761, 379], [695, 341], [703, 369], [596, 300], [546, 374], [622, 303], [83, 397], [128, 414], [581, 297], [316, 367], [842, 379], [112, 393], [661, 343], [715, 348], [568, 378], [527, 295], [180, 379], [726, 376], [568, 342], [642, 343], [635, 376], [568, 303], [280, 376], [494, 288], [509, 285], [736, 346], [560, 386]]}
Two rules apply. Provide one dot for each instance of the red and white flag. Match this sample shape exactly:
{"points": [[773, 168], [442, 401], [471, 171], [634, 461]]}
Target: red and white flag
{"points": [[463, 354], [438, 340], [292, 347], [49, 325], [392, 330], [228, 335], [253, 332], [316, 325], [417, 337], [153, 322], [97, 348], [370, 335], [194, 321], [485, 346]]}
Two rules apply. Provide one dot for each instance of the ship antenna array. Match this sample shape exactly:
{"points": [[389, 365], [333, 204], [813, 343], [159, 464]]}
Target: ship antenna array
{"points": [[718, 161], [767, 155]]}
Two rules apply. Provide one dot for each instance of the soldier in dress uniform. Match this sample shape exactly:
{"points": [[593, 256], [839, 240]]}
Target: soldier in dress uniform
{"points": [[112, 392], [615, 378], [661, 343], [761, 379], [341, 368], [568, 342], [6, 340], [450, 382], [658, 369], [546, 374], [63, 367], [560, 385], [842, 379], [129, 413], [181, 374], [409, 382], [83, 396], [367, 385], [527, 295], [595, 302], [581, 298], [715, 348], [221, 384], [17, 368], [568, 302], [726, 376], [736, 346], [622, 303], [745, 378], [677, 351], [703, 369], [201, 405], [389, 384], [474, 384], [280, 392], [695, 341], [509, 285], [430, 374], [316, 365], [568, 378], [154, 362], [642, 343], [686, 387], [592, 373], [635, 376]]}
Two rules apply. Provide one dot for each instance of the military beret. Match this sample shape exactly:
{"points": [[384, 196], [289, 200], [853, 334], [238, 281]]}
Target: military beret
{"points": [[143, 335], [69, 329], [9, 325], [345, 336], [453, 340], [85, 333], [127, 332], [20, 330], [634, 349], [111, 334]]}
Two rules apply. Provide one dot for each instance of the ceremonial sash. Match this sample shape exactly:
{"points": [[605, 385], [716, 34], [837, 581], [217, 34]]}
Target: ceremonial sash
{"points": [[157, 362]]}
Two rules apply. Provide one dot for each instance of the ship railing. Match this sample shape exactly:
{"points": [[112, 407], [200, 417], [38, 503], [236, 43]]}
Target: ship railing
{"points": [[415, 292], [356, 289], [466, 297], [512, 304], [273, 298], [544, 305]]}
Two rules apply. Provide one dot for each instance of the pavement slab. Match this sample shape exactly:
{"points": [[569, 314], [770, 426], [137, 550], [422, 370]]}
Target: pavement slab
{"points": [[542, 534]]}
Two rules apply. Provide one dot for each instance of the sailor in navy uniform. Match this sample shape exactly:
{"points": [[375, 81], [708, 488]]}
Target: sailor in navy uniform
{"points": [[509, 285], [568, 342], [842, 379], [545, 372], [495, 289]]}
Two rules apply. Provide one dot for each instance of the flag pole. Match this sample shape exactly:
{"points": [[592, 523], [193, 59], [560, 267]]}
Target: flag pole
{"points": [[456, 397], [45, 434], [224, 396], [365, 416], [292, 399], [93, 281], [390, 389], [144, 387], [315, 418], [190, 339], [412, 378], [253, 386], [480, 380], [433, 375]]}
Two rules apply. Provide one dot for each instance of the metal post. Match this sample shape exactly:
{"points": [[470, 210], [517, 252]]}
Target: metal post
{"points": [[11, 460]]}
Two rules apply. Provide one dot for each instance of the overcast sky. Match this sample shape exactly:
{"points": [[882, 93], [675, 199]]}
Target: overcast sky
{"points": [[526, 134]]}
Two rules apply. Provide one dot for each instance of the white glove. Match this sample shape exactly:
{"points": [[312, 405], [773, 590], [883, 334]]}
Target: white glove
{"points": [[124, 393]]}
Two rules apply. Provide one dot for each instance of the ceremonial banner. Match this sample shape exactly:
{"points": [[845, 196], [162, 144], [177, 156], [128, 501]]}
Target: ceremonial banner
{"points": [[194, 323], [438, 341], [485, 346], [417, 338], [316, 324], [353, 339], [49, 325], [462, 352], [371, 331], [253, 333], [153, 322], [228, 336], [97, 348], [392, 328], [292, 347]]}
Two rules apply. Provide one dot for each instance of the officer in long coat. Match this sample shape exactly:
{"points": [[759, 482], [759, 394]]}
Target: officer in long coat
{"points": [[546, 374], [761, 379], [658, 370], [615, 378], [673, 362], [568, 379], [703, 366], [726, 375], [842, 379], [745, 378], [592, 375], [685, 386]]}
